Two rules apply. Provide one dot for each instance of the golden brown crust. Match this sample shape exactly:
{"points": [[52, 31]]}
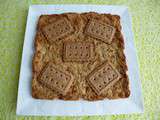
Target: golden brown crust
{"points": [[46, 52]]}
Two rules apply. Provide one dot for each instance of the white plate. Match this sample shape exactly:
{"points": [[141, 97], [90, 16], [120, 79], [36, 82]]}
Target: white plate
{"points": [[26, 105]]}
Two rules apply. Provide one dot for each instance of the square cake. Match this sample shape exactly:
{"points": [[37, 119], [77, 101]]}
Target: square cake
{"points": [[79, 56]]}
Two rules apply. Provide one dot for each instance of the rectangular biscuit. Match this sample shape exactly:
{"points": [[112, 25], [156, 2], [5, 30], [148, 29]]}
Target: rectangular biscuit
{"points": [[100, 31], [103, 77], [57, 30], [78, 51], [56, 79]]}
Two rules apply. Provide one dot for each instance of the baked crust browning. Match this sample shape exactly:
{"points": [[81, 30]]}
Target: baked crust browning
{"points": [[89, 52]]}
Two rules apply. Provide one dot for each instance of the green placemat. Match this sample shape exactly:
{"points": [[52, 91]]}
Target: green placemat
{"points": [[146, 28]]}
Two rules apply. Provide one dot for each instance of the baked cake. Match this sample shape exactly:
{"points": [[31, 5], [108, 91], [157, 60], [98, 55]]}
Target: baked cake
{"points": [[79, 56]]}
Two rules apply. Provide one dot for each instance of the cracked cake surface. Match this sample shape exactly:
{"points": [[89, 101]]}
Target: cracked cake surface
{"points": [[79, 56]]}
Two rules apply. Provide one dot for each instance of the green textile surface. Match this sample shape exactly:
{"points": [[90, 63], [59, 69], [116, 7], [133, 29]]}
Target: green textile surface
{"points": [[146, 28]]}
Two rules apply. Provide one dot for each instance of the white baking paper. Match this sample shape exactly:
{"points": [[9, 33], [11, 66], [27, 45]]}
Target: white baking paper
{"points": [[26, 105]]}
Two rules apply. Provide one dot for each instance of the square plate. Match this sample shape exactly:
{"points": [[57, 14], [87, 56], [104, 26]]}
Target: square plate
{"points": [[26, 105]]}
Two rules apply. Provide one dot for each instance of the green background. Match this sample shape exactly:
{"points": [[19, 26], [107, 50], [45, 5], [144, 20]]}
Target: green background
{"points": [[146, 28]]}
